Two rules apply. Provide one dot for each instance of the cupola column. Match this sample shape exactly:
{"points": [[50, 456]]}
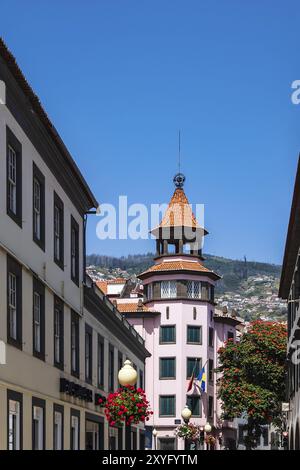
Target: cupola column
{"points": [[157, 247], [165, 244]]}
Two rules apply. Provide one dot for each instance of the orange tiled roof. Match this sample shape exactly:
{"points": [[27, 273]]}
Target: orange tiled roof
{"points": [[179, 212], [132, 307], [102, 285], [178, 266]]}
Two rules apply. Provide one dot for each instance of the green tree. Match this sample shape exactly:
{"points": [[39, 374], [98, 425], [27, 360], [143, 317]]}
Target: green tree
{"points": [[253, 377]]}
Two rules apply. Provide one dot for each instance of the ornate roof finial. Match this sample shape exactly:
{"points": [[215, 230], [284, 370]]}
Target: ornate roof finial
{"points": [[179, 180]]}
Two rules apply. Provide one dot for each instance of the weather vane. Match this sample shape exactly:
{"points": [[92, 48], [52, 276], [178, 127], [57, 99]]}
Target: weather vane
{"points": [[179, 178]]}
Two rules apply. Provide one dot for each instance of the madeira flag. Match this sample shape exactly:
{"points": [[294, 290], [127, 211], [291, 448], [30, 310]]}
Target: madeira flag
{"points": [[202, 379], [190, 385]]}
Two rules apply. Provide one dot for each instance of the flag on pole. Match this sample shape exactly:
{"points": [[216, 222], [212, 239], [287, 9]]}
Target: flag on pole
{"points": [[202, 379], [191, 382]]}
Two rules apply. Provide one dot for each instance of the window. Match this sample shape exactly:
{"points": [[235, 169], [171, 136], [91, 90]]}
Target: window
{"points": [[12, 295], [14, 177], [38, 319], [88, 353], [74, 344], [211, 370], [193, 402], [241, 434], [58, 333], [58, 427], [211, 337], [194, 334], [194, 313], [193, 365], [111, 368], [75, 429], [168, 289], [265, 436], [210, 407], [74, 251], [38, 424], [58, 229], [38, 207], [194, 290], [149, 291], [167, 405], [141, 379], [14, 422], [100, 362], [167, 368], [14, 302], [167, 334], [230, 335], [167, 313]]}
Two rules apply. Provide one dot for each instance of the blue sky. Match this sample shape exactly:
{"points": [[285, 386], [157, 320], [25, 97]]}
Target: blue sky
{"points": [[118, 78]]}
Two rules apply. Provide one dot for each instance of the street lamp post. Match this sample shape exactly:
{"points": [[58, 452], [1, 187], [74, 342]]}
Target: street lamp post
{"points": [[127, 376], [186, 415], [154, 434], [207, 430]]}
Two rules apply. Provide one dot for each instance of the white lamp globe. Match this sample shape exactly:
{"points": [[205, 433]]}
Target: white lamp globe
{"points": [[127, 375], [186, 413], [154, 432], [207, 428]]}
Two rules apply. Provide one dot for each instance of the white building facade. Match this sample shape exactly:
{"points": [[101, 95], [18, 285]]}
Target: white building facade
{"points": [[62, 342]]}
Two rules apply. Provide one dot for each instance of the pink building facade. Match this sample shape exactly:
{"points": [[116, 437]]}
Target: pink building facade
{"points": [[182, 331]]}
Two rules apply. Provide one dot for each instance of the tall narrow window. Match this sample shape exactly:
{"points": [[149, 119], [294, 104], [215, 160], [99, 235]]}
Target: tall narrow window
{"points": [[210, 337], [167, 405], [100, 361], [88, 353], [193, 366], [12, 180], [12, 305], [38, 207], [14, 420], [167, 334], [168, 289], [75, 429], [58, 229], [38, 424], [58, 333], [14, 177], [38, 319], [58, 427], [167, 368], [14, 302], [111, 368], [75, 344], [211, 370], [74, 251]]}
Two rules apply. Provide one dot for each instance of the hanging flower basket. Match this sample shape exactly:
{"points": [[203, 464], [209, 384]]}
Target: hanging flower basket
{"points": [[127, 405], [210, 440], [190, 432]]}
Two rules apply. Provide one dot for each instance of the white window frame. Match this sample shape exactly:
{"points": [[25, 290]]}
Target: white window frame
{"points": [[57, 335], [75, 432], [37, 191], [14, 425], [12, 179], [194, 289], [37, 321], [12, 296], [168, 289], [58, 430], [57, 228], [73, 347], [38, 423], [73, 252]]}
